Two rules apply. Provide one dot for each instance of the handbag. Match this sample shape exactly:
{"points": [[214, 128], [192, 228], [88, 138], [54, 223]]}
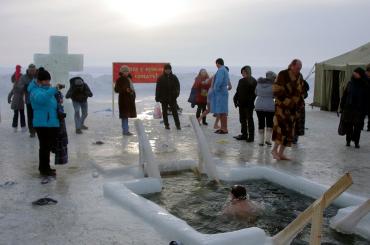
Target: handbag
{"points": [[341, 126], [193, 96]]}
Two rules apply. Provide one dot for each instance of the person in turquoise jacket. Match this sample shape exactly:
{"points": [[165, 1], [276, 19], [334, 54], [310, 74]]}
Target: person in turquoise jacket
{"points": [[45, 118], [219, 103]]}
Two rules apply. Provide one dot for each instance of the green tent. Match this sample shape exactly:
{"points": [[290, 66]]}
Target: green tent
{"points": [[331, 76]]}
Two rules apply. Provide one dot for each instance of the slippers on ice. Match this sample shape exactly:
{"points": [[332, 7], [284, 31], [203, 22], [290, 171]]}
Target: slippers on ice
{"points": [[220, 132], [99, 142], [45, 201]]}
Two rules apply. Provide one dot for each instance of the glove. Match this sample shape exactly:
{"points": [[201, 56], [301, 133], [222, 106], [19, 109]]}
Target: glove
{"points": [[236, 105], [9, 101]]}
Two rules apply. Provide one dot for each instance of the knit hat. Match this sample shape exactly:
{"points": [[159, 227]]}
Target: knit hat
{"points": [[31, 66], [167, 67], [43, 75], [270, 75], [360, 71], [124, 68]]}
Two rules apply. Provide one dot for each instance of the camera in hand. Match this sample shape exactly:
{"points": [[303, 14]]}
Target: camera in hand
{"points": [[60, 86]]}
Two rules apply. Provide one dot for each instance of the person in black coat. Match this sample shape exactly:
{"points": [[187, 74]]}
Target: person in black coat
{"points": [[79, 91], [166, 92], [61, 143], [354, 106], [368, 102], [244, 99]]}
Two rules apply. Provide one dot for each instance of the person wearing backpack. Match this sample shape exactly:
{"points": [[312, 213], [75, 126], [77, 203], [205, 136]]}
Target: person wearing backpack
{"points": [[79, 91]]}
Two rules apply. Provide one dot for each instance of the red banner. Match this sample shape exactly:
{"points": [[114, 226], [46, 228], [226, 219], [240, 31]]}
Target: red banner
{"points": [[140, 72]]}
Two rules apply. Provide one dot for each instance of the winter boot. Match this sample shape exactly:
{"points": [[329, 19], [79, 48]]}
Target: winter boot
{"points": [[261, 137], [268, 136]]}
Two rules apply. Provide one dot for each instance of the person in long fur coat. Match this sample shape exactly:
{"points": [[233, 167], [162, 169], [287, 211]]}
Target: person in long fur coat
{"points": [[288, 93]]}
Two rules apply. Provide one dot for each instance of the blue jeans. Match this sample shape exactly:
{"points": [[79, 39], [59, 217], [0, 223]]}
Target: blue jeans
{"points": [[80, 120], [124, 125]]}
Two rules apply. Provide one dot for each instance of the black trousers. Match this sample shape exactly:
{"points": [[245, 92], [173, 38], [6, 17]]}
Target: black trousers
{"points": [[246, 121], [265, 119], [173, 107], [353, 131], [201, 108], [30, 118], [47, 141], [15, 119]]}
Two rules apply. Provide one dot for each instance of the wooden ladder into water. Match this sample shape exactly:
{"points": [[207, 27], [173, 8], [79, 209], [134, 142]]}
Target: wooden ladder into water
{"points": [[313, 214]]}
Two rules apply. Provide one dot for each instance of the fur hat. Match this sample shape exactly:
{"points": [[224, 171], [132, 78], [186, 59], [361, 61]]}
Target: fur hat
{"points": [[124, 68]]}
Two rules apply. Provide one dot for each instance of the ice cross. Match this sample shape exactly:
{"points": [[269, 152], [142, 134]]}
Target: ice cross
{"points": [[58, 62]]}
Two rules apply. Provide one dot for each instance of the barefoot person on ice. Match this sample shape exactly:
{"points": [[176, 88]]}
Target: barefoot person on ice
{"points": [[288, 93]]}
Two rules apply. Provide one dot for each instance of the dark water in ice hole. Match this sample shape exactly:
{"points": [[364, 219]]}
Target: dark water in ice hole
{"points": [[200, 204]]}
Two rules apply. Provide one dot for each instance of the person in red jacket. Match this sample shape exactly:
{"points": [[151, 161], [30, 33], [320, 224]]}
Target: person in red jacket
{"points": [[202, 83]]}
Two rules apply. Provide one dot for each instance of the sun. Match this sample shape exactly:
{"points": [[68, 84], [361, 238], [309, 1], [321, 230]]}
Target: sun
{"points": [[148, 13]]}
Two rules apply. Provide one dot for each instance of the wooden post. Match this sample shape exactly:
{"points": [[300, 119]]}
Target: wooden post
{"points": [[316, 223], [285, 236]]}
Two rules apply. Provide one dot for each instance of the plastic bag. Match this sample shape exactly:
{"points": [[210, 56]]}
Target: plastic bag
{"points": [[157, 111]]}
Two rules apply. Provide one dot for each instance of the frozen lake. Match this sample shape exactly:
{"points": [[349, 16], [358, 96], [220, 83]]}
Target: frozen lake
{"points": [[84, 216]]}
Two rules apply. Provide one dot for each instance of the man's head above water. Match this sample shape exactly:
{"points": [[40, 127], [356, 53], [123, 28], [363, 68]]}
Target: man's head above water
{"points": [[239, 192]]}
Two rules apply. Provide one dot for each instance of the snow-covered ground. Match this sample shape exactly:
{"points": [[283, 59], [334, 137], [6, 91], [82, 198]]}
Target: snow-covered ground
{"points": [[84, 216]]}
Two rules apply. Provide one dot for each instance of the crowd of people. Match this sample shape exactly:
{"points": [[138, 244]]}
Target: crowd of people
{"points": [[279, 102], [45, 112], [277, 99]]}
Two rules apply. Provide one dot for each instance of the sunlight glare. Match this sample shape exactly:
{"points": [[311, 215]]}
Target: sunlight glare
{"points": [[148, 13]]}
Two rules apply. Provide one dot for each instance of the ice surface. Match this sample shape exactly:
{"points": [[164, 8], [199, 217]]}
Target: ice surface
{"points": [[344, 220], [84, 216]]}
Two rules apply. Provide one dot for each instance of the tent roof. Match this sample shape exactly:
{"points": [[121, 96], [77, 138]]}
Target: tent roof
{"points": [[360, 55]]}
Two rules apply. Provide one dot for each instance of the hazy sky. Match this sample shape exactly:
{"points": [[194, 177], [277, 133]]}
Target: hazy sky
{"points": [[185, 32]]}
